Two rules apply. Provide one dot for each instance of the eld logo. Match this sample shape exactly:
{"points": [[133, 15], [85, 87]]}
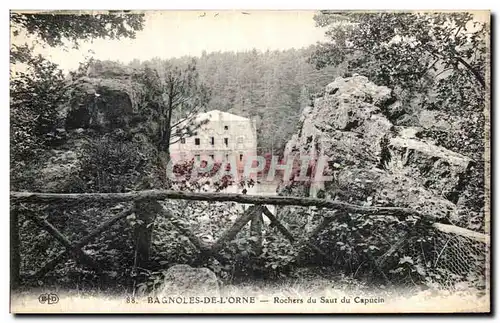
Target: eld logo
{"points": [[48, 298]]}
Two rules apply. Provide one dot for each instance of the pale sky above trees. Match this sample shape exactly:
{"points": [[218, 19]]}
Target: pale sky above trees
{"points": [[169, 34]]}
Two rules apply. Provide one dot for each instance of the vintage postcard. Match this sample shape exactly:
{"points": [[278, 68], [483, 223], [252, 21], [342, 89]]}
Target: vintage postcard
{"points": [[239, 161]]}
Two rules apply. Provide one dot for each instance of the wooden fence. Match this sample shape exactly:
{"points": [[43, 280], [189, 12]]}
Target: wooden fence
{"points": [[146, 207]]}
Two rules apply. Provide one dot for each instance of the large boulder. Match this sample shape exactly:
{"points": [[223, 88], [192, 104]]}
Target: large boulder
{"points": [[434, 167], [101, 104], [378, 187], [372, 160], [439, 121], [346, 123], [184, 280], [359, 87]]}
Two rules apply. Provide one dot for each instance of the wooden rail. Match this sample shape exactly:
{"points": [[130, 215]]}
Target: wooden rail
{"points": [[42, 198], [147, 201], [50, 265], [466, 233]]}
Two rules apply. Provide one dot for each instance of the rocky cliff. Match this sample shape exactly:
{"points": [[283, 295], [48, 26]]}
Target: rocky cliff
{"points": [[374, 162], [101, 123]]}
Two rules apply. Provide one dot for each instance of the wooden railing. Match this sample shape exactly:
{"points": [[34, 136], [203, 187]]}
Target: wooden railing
{"points": [[146, 205], [215, 197]]}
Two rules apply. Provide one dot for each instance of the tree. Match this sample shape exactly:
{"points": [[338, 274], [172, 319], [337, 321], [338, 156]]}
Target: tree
{"points": [[54, 29], [407, 50], [175, 95], [35, 96]]}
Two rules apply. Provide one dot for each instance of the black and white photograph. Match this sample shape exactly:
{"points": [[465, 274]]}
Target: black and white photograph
{"points": [[249, 161]]}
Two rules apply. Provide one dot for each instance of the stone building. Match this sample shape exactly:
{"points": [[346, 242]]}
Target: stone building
{"points": [[224, 136]]}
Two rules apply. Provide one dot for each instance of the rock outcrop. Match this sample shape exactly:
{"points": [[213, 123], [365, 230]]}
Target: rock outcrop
{"points": [[101, 104], [102, 107], [372, 161]]}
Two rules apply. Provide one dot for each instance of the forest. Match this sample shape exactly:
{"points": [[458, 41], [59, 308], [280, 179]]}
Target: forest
{"points": [[396, 101], [272, 87]]}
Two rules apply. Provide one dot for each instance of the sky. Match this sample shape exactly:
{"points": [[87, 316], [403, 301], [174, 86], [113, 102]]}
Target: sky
{"points": [[168, 34]]}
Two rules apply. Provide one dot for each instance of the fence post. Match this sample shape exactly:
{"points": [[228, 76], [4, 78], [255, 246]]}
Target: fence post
{"points": [[145, 213], [15, 257], [256, 232], [256, 225]]}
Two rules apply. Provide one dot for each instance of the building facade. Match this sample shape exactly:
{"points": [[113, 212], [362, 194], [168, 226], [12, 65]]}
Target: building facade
{"points": [[222, 137]]}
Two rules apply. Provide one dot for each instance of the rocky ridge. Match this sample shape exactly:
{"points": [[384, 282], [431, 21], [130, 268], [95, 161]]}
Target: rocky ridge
{"points": [[374, 162]]}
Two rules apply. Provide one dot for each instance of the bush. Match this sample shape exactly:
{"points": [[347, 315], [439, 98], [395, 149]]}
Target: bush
{"points": [[113, 164]]}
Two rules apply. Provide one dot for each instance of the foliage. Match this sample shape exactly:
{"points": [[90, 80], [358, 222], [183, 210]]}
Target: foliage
{"points": [[433, 65], [208, 220], [36, 95], [399, 49], [204, 176], [116, 165], [174, 96], [272, 87], [38, 92], [279, 257], [56, 28], [355, 242]]}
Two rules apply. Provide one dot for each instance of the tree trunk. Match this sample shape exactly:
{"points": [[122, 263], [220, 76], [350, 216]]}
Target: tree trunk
{"points": [[15, 258], [167, 131], [256, 232], [145, 216]]}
